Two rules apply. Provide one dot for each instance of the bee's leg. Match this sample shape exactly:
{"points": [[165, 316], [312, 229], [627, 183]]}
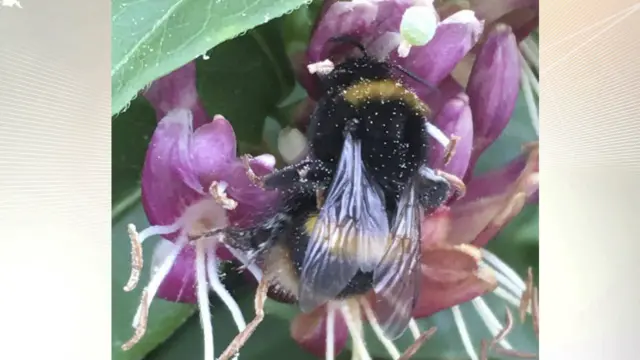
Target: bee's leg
{"points": [[252, 241], [434, 186], [241, 339]]}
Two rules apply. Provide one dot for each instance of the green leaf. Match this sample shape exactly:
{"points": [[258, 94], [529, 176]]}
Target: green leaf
{"points": [[132, 132], [270, 341], [151, 38], [164, 317], [244, 79], [517, 243]]}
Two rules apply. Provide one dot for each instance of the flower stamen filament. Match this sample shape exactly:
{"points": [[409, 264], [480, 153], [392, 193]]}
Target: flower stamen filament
{"points": [[386, 342], [464, 333], [203, 302], [219, 289]]}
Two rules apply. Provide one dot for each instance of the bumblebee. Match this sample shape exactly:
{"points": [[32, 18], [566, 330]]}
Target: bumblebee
{"points": [[349, 218]]}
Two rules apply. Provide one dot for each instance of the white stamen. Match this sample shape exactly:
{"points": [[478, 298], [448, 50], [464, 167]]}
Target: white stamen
{"points": [[354, 324], [322, 67], [158, 275], [532, 108], [404, 48], [221, 291], [530, 52], [385, 341], [159, 230], [503, 268], [531, 78], [490, 320], [507, 296], [504, 281], [464, 334], [437, 134], [415, 330], [203, 303], [331, 328]]}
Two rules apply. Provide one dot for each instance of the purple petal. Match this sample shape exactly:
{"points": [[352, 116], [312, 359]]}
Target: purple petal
{"points": [[447, 90], [212, 150], [180, 283], [169, 184], [254, 203], [493, 87], [454, 38], [454, 119], [177, 90]]}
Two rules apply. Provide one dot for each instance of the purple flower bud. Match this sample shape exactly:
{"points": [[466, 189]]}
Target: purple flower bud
{"points": [[493, 87], [341, 18], [454, 120], [177, 90], [491, 11]]}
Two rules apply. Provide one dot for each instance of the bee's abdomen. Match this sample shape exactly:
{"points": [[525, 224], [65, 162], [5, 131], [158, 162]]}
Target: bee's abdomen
{"points": [[297, 247]]}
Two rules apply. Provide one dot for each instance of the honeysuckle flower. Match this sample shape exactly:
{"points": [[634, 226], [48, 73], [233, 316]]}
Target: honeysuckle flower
{"points": [[192, 182], [455, 267]]}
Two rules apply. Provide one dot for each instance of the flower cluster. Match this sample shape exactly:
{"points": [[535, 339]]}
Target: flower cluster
{"points": [[478, 67], [192, 182], [477, 57]]}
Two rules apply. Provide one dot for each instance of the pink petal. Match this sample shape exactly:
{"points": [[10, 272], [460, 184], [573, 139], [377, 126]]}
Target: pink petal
{"points": [[493, 87], [454, 38], [177, 90], [169, 184], [450, 276], [310, 332], [454, 119], [492, 200]]}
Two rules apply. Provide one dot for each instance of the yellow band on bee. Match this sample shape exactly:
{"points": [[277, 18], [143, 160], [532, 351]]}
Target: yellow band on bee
{"points": [[383, 90]]}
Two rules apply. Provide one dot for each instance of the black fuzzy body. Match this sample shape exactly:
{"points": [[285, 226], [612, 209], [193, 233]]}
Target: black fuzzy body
{"points": [[394, 145]]}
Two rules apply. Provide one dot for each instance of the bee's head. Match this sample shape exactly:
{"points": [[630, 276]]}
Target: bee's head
{"points": [[350, 69]]}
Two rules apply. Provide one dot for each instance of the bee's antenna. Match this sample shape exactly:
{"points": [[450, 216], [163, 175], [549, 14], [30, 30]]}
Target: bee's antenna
{"points": [[417, 78], [349, 39]]}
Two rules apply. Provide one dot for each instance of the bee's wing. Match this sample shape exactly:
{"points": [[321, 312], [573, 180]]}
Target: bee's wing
{"points": [[350, 232], [396, 279]]}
